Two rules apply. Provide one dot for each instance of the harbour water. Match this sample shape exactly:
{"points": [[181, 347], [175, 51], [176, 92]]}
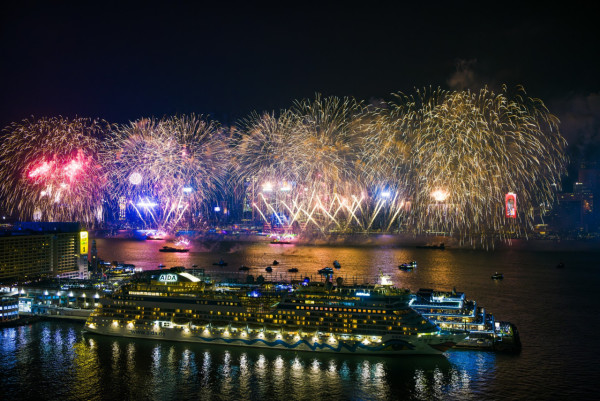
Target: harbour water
{"points": [[555, 310]]}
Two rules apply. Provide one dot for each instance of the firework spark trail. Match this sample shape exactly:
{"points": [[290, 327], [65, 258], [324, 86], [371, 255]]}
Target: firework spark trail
{"points": [[477, 146], [311, 146], [467, 148], [165, 160], [49, 169]]}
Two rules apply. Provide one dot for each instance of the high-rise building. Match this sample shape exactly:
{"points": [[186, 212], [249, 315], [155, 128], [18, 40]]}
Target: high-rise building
{"points": [[33, 250]]}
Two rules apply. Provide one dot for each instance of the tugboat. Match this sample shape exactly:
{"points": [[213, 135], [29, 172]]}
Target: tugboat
{"points": [[275, 263], [244, 268], [497, 276], [220, 263], [268, 269], [293, 270], [336, 264]]}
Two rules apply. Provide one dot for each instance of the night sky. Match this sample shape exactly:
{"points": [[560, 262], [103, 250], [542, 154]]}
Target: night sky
{"points": [[121, 63]]}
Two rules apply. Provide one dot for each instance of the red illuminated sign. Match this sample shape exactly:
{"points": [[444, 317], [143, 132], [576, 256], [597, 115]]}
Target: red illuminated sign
{"points": [[510, 202]]}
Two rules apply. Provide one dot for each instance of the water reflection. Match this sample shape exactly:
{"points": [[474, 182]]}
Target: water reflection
{"points": [[101, 368]]}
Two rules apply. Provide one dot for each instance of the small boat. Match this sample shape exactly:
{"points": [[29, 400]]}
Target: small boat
{"points": [[161, 266], [326, 270], [560, 265], [293, 270], [497, 276], [408, 266], [220, 263], [336, 264], [172, 249], [268, 269], [244, 268], [275, 263], [194, 266]]}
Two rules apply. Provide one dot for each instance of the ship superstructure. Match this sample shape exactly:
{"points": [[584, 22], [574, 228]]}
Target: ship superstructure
{"points": [[174, 305], [451, 310]]}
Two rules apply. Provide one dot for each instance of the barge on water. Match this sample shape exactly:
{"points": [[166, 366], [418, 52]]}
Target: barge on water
{"points": [[450, 310]]}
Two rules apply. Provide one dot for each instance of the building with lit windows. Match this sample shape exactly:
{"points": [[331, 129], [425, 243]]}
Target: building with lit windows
{"points": [[30, 251], [9, 309]]}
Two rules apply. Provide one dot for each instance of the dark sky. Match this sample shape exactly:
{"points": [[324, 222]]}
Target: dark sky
{"points": [[122, 62]]}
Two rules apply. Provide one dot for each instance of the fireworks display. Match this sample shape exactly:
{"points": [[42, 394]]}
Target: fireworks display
{"points": [[163, 170], [435, 161], [303, 166], [49, 169], [471, 148]]}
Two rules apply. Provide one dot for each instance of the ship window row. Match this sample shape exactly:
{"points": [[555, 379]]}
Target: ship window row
{"points": [[161, 298], [319, 308]]}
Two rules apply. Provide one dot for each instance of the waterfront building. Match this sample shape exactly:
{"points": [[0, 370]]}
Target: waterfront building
{"points": [[9, 309], [35, 250]]}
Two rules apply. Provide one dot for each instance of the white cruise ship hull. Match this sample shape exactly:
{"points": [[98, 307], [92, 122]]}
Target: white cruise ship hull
{"points": [[386, 345]]}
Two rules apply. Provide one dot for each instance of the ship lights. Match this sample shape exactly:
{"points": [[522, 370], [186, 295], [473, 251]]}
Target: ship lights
{"points": [[92, 326], [115, 323]]}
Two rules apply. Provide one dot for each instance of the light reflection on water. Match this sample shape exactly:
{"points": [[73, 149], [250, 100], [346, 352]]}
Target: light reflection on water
{"points": [[95, 367], [190, 371]]}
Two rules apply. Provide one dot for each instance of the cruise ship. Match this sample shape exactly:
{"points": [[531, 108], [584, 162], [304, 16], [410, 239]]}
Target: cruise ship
{"points": [[307, 316], [451, 310]]}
